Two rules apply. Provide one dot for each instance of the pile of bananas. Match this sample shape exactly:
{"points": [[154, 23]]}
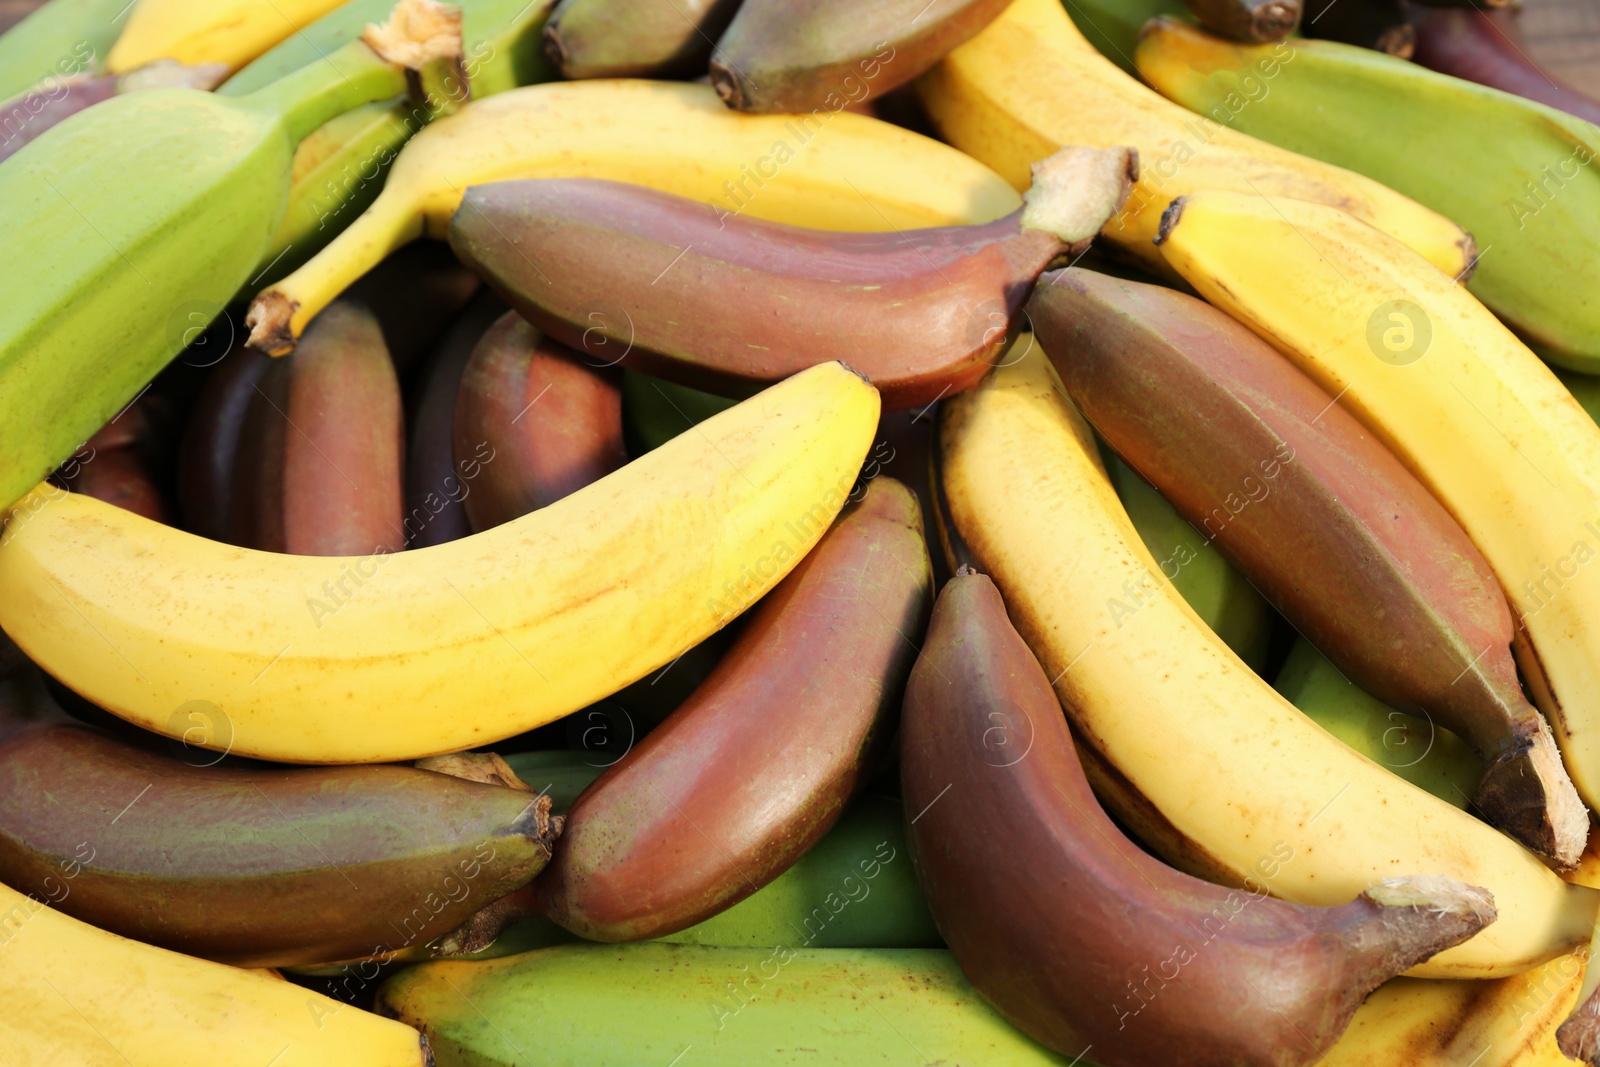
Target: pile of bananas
{"points": [[469, 473]]}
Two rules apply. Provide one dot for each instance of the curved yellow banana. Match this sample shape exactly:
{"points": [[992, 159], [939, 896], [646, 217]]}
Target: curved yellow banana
{"points": [[1030, 83], [1465, 405], [78, 996], [1221, 774], [837, 171], [230, 32], [392, 657]]}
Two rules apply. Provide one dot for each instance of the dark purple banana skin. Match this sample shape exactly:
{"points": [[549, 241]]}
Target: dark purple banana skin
{"points": [[253, 865], [635, 38], [1320, 516], [757, 765], [1070, 929], [801, 55], [656, 282]]}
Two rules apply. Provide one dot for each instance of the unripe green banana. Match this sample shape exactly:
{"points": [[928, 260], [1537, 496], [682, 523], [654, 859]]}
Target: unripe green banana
{"points": [[340, 168], [1532, 204], [109, 254], [62, 39], [623, 1006], [656, 410], [1113, 26], [1419, 750]]}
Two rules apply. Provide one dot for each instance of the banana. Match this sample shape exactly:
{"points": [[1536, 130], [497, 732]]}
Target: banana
{"points": [[635, 38], [1044, 876], [1472, 412], [1531, 205], [30, 115], [375, 658], [551, 419], [232, 32], [783, 55], [1486, 47], [656, 410], [118, 256], [833, 171], [149, 845], [717, 1007], [81, 996], [1112, 26], [1209, 584], [1249, 20], [1382, 25], [340, 169], [622, 272], [1419, 750], [206, 483], [58, 41], [1030, 83], [416, 295], [319, 465], [1508, 1022], [1198, 756], [688, 822], [122, 464], [1275, 473]]}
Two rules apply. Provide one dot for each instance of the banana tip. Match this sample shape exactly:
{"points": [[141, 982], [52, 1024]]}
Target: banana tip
{"points": [[1169, 220], [726, 84], [1579, 1037], [271, 323]]}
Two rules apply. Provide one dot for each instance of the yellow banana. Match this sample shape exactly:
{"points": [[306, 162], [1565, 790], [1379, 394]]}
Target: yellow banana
{"points": [[1030, 83], [1463, 403], [76, 996], [231, 32], [829, 170], [390, 657], [1217, 771], [1509, 1022]]}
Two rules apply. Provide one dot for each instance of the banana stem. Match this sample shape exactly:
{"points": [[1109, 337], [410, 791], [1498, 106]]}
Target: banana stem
{"points": [[343, 81]]}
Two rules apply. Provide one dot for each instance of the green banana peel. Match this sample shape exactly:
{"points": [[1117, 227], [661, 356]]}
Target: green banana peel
{"points": [[655, 411], [1518, 175], [1585, 389], [113, 261], [626, 1005], [61, 40], [502, 49], [1424, 754], [1218, 593]]}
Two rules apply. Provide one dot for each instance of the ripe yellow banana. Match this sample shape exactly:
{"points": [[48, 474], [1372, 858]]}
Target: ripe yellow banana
{"points": [[827, 170], [78, 996], [231, 32], [1509, 1022], [1030, 83], [1209, 765], [1463, 403], [388, 657]]}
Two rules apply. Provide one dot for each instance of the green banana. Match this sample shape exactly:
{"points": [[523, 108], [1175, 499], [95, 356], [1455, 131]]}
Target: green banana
{"points": [[1532, 203], [1585, 389], [63, 39], [109, 256], [626, 1005], [1113, 26], [1421, 752], [1217, 592], [339, 170]]}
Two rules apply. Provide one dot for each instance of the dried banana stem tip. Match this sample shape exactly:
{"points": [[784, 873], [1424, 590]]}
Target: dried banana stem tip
{"points": [[1076, 191], [417, 33]]}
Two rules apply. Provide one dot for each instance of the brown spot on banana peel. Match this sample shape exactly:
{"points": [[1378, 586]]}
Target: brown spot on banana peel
{"points": [[257, 865], [1044, 876], [635, 38], [805, 55], [730, 305], [552, 422], [759, 763], [1271, 470]]}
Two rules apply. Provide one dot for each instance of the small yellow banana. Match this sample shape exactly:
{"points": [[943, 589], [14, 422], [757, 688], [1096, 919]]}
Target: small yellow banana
{"points": [[1465, 405], [230, 32], [76, 996], [396, 656], [829, 170], [1217, 772], [1030, 83]]}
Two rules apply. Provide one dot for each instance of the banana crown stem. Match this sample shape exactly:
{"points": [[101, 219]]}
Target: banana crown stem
{"points": [[1076, 191]]}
